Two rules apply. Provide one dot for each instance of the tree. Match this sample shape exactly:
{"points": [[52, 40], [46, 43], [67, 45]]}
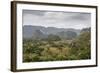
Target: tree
{"points": [[52, 37], [80, 47]]}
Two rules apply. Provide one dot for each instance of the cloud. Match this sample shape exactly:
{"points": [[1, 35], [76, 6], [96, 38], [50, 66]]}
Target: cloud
{"points": [[57, 19]]}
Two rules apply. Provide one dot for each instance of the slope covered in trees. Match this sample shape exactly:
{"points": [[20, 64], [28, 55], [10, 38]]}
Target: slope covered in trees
{"points": [[57, 48]]}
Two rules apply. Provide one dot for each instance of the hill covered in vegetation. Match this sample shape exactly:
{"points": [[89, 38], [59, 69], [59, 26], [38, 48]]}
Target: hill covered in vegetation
{"points": [[44, 44]]}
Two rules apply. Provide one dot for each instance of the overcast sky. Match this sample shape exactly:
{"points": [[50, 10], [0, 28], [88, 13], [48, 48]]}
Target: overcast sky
{"points": [[57, 19]]}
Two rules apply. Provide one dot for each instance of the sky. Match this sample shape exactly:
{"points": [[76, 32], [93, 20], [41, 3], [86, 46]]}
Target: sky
{"points": [[76, 20]]}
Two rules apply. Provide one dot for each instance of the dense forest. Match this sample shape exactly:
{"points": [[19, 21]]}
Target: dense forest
{"points": [[57, 47]]}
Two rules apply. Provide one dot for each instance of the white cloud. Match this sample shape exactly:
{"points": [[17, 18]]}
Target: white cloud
{"points": [[57, 19]]}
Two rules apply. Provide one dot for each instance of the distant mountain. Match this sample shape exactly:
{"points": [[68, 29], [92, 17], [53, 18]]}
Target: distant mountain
{"points": [[67, 34], [42, 32], [32, 32], [86, 30], [38, 34]]}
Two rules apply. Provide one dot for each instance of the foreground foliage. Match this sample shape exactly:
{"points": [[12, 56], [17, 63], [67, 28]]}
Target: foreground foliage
{"points": [[55, 49]]}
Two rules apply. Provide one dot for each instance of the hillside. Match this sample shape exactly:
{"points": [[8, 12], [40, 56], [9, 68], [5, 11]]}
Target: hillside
{"points": [[30, 32]]}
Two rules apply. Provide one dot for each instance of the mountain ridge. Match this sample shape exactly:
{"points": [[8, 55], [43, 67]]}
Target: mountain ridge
{"points": [[30, 31]]}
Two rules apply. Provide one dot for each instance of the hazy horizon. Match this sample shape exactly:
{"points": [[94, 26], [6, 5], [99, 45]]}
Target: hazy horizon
{"points": [[57, 27], [56, 19]]}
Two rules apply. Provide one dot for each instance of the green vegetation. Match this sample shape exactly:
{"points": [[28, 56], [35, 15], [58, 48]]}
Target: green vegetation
{"points": [[55, 48]]}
